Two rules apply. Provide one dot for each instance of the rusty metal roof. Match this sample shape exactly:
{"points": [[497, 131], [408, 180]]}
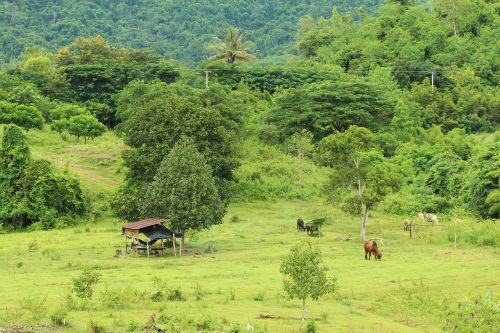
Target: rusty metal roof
{"points": [[143, 223]]}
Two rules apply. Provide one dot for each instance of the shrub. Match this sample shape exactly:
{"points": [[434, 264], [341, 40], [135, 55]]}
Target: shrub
{"points": [[36, 306], [485, 233], [310, 327], [259, 297], [83, 286], [175, 295], [157, 296], [113, 297], [477, 315], [198, 292], [133, 326], [58, 317]]}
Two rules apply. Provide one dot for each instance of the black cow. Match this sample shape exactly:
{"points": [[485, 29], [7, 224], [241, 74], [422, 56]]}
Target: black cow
{"points": [[300, 225], [312, 230]]}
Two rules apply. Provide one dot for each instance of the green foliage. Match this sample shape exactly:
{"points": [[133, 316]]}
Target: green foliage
{"points": [[27, 117], [77, 121], [184, 36], [273, 78], [451, 45], [83, 286], [362, 177], [305, 275], [481, 182], [184, 191], [232, 47], [310, 327], [165, 114], [32, 190], [476, 315], [326, 107]]}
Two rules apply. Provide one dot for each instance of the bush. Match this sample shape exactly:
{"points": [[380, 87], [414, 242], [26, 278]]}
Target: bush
{"points": [[259, 297], [36, 306], [486, 233], [114, 298], [310, 327], [83, 286], [477, 315], [175, 295], [58, 317]]}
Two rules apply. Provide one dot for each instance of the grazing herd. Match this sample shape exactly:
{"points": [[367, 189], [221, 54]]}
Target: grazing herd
{"points": [[428, 217], [311, 229], [370, 246]]}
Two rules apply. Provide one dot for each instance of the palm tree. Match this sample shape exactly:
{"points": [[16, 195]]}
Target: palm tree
{"points": [[232, 47]]}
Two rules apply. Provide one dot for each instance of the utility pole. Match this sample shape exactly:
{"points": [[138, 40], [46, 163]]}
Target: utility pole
{"points": [[206, 79]]}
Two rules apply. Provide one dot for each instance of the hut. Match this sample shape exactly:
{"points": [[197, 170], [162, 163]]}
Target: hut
{"points": [[154, 230]]}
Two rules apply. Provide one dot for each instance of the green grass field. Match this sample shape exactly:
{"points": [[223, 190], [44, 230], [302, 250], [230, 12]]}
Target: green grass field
{"points": [[406, 292]]}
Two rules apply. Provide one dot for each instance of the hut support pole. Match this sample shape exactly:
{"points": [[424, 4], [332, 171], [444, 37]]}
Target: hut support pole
{"points": [[147, 248], [126, 244], [173, 245]]}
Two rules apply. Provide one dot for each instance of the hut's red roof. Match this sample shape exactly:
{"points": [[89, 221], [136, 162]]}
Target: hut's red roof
{"points": [[143, 224]]}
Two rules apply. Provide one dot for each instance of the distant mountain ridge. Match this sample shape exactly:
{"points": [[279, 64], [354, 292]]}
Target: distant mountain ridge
{"points": [[177, 29]]}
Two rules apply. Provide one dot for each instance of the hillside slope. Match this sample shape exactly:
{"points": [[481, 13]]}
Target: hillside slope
{"points": [[175, 28]]}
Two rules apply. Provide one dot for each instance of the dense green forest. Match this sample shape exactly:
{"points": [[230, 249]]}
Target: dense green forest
{"points": [[179, 30], [114, 111]]}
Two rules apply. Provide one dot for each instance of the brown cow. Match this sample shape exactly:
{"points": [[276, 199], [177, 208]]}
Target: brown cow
{"points": [[371, 247], [406, 225]]}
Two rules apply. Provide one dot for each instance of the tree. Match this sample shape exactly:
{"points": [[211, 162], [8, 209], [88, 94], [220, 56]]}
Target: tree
{"points": [[32, 190], [85, 125], [184, 191], [301, 146], [305, 275], [481, 182], [27, 117], [66, 111], [362, 176], [232, 47], [328, 106], [83, 285]]}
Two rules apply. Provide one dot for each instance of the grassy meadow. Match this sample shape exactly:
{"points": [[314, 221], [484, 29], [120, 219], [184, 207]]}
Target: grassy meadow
{"points": [[408, 291]]}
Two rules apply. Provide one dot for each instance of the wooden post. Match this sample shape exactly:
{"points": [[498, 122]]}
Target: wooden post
{"points": [[455, 241], [173, 244], [206, 79], [147, 248], [126, 244]]}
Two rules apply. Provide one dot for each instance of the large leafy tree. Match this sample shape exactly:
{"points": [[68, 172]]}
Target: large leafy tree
{"points": [[32, 190], [184, 191], [156, 123], [326, 107], [305, 275], [481, 189], [27, 117], [362, 176], [232, 47]]}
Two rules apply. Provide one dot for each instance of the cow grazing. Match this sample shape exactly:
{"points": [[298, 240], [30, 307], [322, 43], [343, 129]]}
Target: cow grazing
{"points": [[406, 225], [312, 230], [300, 225], [420, 216], [371, 248], [432, 218]]}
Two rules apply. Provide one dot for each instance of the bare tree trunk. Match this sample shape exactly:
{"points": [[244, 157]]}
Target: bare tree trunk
{"points": [[454, 27], [363, 224]]}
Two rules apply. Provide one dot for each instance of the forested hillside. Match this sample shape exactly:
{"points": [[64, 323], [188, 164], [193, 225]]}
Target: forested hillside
{"points": [[249, 179], [176, 29]]}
